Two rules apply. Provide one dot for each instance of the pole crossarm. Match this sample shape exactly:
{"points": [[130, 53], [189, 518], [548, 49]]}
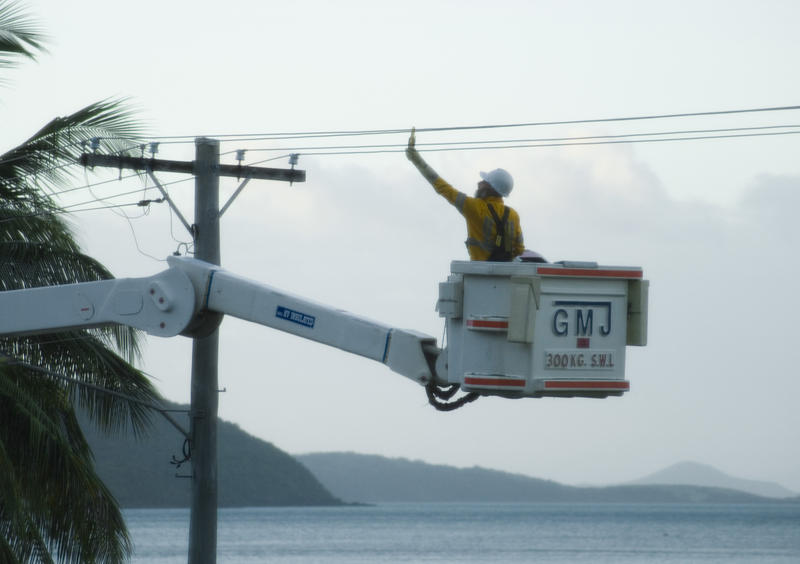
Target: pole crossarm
{"points": [[189, 167]]}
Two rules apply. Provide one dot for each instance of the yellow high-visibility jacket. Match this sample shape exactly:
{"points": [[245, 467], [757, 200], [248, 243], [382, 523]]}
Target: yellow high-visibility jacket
{"points": [[481, 228]]}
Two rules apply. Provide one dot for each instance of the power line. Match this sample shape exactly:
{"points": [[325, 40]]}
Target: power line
{"points": [[106, 207], [141, 143], [652, 137], [104, 198], [136, 144], [68, 209], [482, 143], [357, 132], [112, 196], [623, 141], [89, 186], [462, 146], [553, 144]]}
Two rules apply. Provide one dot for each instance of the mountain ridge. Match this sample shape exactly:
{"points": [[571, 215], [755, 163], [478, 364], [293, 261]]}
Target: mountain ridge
{"points": [[253, 472], [141, 472], [373, 479], [697, 474]]}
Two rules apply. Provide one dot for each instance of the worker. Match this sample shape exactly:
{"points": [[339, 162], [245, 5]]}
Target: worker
{"points": [[493, 229]]}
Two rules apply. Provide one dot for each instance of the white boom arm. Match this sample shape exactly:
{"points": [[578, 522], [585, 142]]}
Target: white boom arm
{"points": [[401, 350], [161, 305], [165, 305]]}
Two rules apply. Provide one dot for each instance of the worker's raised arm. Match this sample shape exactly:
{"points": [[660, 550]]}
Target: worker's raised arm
{"points": [[439, 184], [414, 156]]}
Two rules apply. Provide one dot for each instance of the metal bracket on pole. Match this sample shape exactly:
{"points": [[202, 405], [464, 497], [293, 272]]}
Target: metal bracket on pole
{"points": [[169, 201], [233, 197]]}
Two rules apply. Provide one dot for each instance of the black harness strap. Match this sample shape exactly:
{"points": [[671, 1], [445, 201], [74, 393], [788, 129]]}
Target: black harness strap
{"points": [[501, 248]]}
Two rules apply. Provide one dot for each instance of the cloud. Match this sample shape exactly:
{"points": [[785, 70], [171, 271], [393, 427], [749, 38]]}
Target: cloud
{"points": [[769, 208]]}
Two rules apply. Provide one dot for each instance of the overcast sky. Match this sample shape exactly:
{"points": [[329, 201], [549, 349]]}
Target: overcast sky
{"points": [[711, 222]]}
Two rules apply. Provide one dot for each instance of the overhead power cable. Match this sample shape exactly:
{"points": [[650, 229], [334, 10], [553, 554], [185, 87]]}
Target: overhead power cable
{"points": [[104, 198], [486, 143], [358, 132], [89, 186], [466, 145], [105, 207], [564, 144], [239, 137], [71, 207]]}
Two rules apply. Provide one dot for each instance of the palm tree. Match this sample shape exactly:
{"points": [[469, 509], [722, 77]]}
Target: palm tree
{"points": [[53, 506]]}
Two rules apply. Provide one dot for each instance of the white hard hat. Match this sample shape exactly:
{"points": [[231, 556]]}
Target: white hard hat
{"points": [[500, 180]]}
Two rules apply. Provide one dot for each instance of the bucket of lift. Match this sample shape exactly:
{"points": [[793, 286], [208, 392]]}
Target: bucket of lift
{"points": [[524, 329]]}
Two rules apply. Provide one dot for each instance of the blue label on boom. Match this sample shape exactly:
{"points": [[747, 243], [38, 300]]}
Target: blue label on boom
{"points": [[295, 317]]}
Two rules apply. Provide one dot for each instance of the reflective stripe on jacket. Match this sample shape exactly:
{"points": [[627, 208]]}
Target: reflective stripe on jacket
{"points": [[481, 230]]}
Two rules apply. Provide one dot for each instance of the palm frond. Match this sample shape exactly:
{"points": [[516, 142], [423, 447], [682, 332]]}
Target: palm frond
{"points": [[28, 265], [20, 539], [55, 473], [48, 158], [53, 258], [7, 539], [20, 35], [53, 506], [82, 358], [42, 226]]}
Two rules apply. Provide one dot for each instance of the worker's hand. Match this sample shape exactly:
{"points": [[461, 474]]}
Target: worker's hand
{"points": [[414, 156], [411, 151]]}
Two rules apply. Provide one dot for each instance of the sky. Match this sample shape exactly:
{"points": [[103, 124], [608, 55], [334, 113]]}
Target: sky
{"points": [[711, 222]]}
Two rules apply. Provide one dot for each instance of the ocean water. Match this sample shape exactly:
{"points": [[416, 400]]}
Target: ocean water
{"points": [[475, 533]]}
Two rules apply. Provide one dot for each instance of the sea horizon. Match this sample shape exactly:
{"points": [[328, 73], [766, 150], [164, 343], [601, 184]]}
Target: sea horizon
{"points": [[481, 533]]}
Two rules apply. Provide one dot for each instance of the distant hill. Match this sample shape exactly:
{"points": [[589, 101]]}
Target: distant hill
{"points": [[369, 478], [372, 479], [695, 474], [251, 472]]}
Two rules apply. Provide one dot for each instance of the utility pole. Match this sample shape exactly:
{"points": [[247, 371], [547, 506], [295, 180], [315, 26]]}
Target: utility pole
{"points": [[205, 333], [205, 351]]}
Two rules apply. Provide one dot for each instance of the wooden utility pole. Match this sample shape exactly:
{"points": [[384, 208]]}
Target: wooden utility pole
{"points": [[205, 347], [205, 351]]}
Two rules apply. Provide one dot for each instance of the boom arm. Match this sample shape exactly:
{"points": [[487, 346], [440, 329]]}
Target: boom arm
{"points": [[409, 353], [166, 304], [161, 305]]}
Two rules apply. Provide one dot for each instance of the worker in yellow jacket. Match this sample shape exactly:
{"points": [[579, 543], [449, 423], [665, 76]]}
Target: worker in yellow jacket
{"points": [[493, 229]]}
